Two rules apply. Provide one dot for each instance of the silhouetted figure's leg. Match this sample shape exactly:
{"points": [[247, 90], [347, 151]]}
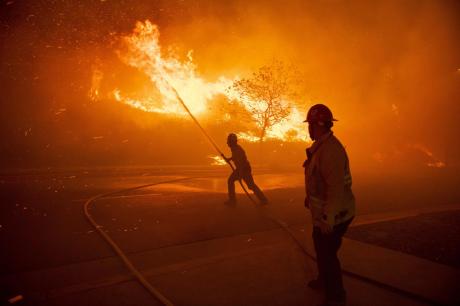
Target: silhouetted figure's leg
{"points": [[231, 186], [249, 180], [327, 246], [319, 257]]}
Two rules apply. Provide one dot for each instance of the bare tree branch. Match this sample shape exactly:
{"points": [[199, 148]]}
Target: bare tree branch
{"points": [[267, 94]]}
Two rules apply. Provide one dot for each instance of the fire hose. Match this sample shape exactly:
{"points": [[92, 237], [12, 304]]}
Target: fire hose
{"points": [[165, 301], [211, 141], [157, 294], [285, 227]]}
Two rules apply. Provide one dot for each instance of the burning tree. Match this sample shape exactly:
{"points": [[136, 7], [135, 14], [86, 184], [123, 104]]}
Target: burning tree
{"points": [[267, 94]]}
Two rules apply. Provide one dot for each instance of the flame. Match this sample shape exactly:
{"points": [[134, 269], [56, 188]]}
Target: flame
{"points": [[143, 51], [247, 136], [434, 162], [96, 79], [145, 105], [217, 160], [291, 129], [430, 161]]}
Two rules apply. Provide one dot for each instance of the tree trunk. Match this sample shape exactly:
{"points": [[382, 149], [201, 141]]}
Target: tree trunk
{"points": [[264, 130], [262, 133]]}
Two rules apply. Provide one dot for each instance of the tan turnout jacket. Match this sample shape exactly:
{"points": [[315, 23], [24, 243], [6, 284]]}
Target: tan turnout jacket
{"points": [[328, 182]]}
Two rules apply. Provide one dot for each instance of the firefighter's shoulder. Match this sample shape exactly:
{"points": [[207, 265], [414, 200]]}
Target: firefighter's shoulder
{"points": [[333, 147]]}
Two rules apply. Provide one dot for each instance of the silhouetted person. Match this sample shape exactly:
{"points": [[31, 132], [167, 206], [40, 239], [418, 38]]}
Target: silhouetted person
{"points": [[330, 200], [242, 171]]}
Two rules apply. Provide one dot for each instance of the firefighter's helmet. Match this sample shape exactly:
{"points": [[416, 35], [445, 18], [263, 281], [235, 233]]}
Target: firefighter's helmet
{"points": [[319, 113], [232, 138]]}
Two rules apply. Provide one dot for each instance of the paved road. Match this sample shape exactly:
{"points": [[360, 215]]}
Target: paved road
{"points": [[43, 229]]}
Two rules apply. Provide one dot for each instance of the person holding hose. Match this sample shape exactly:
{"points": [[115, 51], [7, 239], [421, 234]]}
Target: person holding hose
{"points": [[242, 171], [330, 200]]}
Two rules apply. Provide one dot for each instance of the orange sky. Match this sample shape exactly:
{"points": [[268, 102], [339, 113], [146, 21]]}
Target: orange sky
{"points": [[388, 69]]}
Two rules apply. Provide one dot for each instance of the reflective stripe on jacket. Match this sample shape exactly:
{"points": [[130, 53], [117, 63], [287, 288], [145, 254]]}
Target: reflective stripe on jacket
{"points": [[328, 182]]}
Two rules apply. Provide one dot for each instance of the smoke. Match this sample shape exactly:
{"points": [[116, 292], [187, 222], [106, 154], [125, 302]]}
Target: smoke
{"points": [[388, 70]]}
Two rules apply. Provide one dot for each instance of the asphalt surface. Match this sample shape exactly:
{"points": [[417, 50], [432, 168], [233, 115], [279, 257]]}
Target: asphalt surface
{"points": [[43, 229]]}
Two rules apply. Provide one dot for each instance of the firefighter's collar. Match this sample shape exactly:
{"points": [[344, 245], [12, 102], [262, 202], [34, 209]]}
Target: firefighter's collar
{"points": [[319, 142]]}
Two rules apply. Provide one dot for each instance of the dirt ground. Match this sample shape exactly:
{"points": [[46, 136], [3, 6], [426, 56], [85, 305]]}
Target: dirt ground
{"points": [[433, 236]]}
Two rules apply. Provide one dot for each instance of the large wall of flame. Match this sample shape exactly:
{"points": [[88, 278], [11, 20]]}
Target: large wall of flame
{"points": [[390, 71]]}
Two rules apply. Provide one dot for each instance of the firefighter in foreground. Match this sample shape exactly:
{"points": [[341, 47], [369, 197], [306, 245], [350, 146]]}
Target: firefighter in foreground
{"points": [[330, 200], [242, 171]]}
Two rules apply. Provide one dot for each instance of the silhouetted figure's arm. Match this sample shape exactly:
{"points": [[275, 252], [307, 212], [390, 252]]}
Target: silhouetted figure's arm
{"points": [[226, 159], [239, 159]]}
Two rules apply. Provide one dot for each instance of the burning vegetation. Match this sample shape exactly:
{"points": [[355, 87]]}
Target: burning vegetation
{"points": [[91, 83], [266, 97]]}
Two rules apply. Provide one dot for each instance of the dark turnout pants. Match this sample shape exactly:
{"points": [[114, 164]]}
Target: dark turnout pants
{"points": [[246, 176], [330, 272]]}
